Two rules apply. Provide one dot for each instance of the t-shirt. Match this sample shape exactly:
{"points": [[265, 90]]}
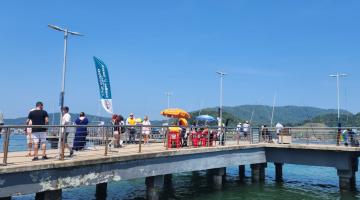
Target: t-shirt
{"points": [[246, 127], [66, 119], [38, 117], [130, 121]]}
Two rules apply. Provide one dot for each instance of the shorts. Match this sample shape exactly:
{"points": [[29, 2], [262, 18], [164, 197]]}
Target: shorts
{"points": [[146, 132], [28, 139], [66, 137], [39, 137]]}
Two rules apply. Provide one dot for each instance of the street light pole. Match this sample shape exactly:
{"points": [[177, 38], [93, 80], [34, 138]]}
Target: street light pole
{"points": [[168, 94], [66, 33], [222, 74], [337, 76]]}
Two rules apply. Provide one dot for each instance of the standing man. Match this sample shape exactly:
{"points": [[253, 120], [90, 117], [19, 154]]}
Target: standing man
{"points": [[130, 121], [66, 121], [246, 129], [39, 117]]}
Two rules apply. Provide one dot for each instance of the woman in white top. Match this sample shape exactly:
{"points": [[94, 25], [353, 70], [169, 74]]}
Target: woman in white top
{"points": [[146, 130]]}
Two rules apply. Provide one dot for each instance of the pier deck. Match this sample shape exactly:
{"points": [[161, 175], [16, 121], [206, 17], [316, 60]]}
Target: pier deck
{"points": [[19, 161], [90, 167]]}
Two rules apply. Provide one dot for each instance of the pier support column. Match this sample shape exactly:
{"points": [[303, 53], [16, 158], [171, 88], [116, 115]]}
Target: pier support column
{"points": [[258, 172], [154, 184], [241, 172], [346, 180], [216, 176], [167, 180], [101, 191], [49, 195], [278, 172]]}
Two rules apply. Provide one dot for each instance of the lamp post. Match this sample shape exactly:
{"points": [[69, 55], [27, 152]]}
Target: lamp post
{"points": [[337, 76], [222, 74], [66, 33], [168, 94]]}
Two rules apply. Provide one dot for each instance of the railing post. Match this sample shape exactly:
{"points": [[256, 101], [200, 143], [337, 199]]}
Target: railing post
{"points": [[208, 138], [140, 138], [166, 138], [237, 136], [224, 131], [6, 145], [106, 141], [62, 152]]}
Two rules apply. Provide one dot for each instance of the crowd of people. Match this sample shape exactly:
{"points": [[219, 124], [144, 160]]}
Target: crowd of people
{"points": [[36, 136]]}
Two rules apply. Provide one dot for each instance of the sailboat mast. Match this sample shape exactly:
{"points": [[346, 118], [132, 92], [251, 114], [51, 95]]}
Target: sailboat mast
{"points": [[272, 113]]}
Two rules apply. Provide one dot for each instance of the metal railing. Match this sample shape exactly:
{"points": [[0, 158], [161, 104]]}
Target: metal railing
{"points": [[110, 140]]}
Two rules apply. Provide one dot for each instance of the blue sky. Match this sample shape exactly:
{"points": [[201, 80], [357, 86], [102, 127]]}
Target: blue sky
{"points": [[151, 47]]}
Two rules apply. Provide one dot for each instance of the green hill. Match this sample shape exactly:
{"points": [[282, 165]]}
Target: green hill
{"points": [[347, 120], [261, 114], [54, 118]]}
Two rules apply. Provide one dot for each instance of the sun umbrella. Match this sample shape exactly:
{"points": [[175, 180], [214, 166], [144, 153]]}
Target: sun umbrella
{"points": [[183, 122], [175, 113], [206, 118]]}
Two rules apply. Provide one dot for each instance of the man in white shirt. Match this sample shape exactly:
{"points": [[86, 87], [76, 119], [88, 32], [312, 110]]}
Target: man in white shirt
{"points": [[246, 129], [66, 120], [278, 127]]}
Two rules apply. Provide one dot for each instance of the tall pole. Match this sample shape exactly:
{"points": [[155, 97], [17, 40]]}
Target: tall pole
{"points": [[222, 74], [62, 93], [337, 76], [272, 113], [338, 97], [168, 94]]}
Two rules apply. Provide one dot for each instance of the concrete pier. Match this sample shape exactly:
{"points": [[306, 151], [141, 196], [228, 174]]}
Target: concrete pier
{"points": [[167, 180], [347, 180], [258, 172], [101, 191], [278, 172], [49, 195], [241, 172], [216, 176], [23, 176], [154, 185]]}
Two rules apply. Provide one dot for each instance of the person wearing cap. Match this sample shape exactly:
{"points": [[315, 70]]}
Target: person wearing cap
{"points": [[131, 121], [39, 117]]}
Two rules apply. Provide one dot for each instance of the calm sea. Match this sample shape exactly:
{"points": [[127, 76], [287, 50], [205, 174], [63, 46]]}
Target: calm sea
{"points": [[300, 183]]}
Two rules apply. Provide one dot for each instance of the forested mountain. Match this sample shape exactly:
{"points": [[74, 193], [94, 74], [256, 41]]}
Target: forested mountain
{"points": [[257, 114]]}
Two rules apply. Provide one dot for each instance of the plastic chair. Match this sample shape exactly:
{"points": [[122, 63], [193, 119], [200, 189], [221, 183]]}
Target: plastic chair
{"points": [[174, 138]]}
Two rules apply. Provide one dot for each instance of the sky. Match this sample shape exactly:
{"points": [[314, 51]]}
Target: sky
{"points": [[268, 48]]}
